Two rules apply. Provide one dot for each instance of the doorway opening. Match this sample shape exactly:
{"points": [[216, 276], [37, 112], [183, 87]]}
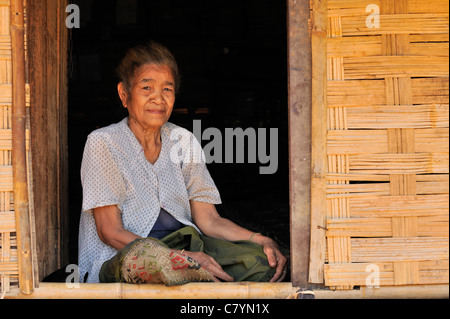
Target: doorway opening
{"points": [[232, 57]]}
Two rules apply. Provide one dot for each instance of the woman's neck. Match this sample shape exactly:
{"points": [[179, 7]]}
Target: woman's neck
{"points": [[149, 138]]}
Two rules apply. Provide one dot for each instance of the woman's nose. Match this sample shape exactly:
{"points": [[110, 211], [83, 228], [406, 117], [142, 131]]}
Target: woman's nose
{"points": [[157, 97]]}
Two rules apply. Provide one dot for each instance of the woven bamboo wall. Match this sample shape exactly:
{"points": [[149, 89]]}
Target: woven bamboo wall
{"points": [[387, 144], [8, 252]]}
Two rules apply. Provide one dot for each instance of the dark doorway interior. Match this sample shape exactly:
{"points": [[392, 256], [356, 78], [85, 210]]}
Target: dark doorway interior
{"points": [[233, 60]]}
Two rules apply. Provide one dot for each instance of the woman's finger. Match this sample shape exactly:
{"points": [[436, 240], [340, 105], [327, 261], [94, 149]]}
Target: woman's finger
{"points": [[280, 263], [217, 270], [211, 265], [219, 273], [271, 256]]}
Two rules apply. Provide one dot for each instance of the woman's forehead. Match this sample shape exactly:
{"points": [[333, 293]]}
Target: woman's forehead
{"points": [[154, 72]]}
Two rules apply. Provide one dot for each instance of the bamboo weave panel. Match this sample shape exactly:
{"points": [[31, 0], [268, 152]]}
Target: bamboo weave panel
{"points": [[387, 144]]}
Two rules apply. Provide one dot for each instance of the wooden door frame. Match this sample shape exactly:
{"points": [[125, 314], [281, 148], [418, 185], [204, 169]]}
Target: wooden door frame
{"points": [[47, 58], [46, 77], [47, 42], [299, 114]]}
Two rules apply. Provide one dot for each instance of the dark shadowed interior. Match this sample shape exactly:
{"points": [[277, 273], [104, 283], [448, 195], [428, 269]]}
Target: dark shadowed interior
{"points": [[232, 57]]}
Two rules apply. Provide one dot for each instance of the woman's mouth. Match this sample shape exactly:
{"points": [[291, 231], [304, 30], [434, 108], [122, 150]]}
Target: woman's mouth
{"points": [[154, 111]]}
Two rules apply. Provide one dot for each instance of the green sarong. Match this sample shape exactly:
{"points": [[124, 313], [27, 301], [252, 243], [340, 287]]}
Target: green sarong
{"points": [[243, 260]]}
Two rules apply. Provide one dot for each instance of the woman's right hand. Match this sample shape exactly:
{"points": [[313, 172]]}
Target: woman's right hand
{"points": [[210, 264]]}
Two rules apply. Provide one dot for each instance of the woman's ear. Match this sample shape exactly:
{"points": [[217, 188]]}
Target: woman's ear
{"points": [[122, 94]]}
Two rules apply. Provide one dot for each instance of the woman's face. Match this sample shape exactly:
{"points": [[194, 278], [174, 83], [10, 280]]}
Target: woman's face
{"points": [[152, 96]]}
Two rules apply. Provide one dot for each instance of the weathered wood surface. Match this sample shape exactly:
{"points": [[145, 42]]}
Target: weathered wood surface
{"points": [[299, 63], [48, 113]]}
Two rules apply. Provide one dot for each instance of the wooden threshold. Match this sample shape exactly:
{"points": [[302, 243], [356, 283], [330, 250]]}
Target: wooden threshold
{"points": [[243, 290]]}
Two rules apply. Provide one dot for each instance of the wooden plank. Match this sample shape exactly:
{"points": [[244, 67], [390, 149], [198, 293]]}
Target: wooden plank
{"points": [[396, 206], [399, 249], [247, 290], [318, 141], [371, 67], [299, 96], [48, 120]]}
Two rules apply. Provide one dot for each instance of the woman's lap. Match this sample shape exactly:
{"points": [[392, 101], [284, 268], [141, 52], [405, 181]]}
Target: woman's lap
{"points": [[243, 260]]}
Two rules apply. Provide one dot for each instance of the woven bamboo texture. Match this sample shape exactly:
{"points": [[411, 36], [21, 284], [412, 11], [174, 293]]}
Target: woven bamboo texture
{"points": [[9, 267], [387, 219]]}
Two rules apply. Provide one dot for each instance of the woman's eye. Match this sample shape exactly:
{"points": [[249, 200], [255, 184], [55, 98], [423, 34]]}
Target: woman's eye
{"points": [[168, 90], [146, 88]]}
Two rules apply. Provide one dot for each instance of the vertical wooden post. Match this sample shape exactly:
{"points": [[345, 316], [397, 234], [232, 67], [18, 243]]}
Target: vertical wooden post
{"points": [[299, 63], [21, 205], [318, 140], [47, 57]]}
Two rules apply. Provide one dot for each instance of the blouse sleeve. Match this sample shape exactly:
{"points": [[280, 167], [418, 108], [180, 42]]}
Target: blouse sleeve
{"points": [[199, 183], [101, 179]]}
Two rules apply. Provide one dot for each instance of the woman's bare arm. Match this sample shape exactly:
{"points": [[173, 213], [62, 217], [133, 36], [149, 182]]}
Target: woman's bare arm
{"points": [[110, 228]]}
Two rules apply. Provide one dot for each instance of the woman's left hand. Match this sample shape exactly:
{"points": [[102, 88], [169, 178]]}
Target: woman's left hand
{"points": [[275, 258], [211, 224]]}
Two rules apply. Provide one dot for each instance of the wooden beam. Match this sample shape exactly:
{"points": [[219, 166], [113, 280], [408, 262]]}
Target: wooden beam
{"points": [[243, 290], [225, 290], [299, 63], [48, 121], [318, 140]]}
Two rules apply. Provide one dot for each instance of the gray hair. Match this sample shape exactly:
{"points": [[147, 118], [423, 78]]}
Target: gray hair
{"points": [[138, 56]]}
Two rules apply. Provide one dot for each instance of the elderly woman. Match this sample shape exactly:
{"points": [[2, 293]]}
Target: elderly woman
{"points": [[147, 217]]}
